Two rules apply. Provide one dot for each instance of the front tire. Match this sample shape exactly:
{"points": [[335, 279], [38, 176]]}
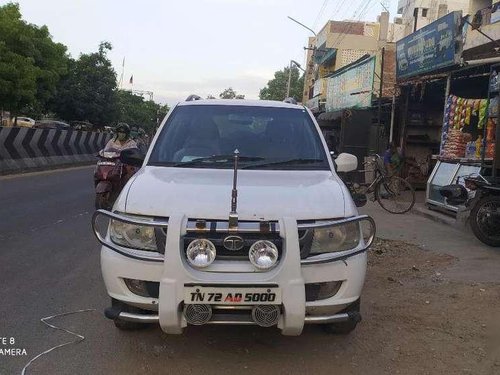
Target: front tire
{"points": [[124, 325], [102, 201], [345, 328], [486, 228]]}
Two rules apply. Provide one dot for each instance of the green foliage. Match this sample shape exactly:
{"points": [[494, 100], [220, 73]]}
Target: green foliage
{"points": [[30, 63], [37, 77], [136, 111], [229, 93], [88, 91], [276, 88]]}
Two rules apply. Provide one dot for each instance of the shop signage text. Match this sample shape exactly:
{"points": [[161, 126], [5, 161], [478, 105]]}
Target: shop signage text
{"points": [[431, 48], [351, 88]]}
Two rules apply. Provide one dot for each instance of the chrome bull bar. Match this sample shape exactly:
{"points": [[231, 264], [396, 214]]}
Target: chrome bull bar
{"points": [[223, 227], [309, 319]]}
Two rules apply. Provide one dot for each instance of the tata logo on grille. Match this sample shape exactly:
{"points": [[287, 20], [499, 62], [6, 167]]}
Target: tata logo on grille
{"points": [[234, 243]]}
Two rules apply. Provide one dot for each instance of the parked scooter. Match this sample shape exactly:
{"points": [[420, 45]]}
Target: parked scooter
{"points": [[110, 176], [483, 203]]}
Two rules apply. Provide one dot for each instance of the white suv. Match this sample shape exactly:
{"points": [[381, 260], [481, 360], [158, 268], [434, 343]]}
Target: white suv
{"points": [[237, 216]]}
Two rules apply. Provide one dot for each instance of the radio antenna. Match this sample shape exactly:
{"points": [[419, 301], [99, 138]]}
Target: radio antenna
{"points": [[233, 215]]}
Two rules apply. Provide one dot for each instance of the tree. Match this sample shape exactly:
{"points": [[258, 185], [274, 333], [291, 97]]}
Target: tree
{"points": [[210, 96], [136, 111], [276, 88], [229, 93], [88, 91], [162, 111], [30, 63]]}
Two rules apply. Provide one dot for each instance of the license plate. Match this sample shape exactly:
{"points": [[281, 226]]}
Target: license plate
{"points": [[232, 296]]}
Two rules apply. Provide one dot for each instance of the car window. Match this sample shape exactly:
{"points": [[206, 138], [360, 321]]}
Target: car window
{"points": [[265, 133]]}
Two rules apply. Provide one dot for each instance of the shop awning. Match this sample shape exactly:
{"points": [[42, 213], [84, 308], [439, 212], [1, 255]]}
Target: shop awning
{"points": [[325, 58], [330, 116]]}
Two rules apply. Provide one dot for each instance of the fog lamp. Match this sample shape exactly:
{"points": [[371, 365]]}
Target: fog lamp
{"points": [[263, 255], [201, 253]]}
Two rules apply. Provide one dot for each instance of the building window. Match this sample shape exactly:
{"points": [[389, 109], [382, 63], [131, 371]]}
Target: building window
{"points": [[415, 12], [424, 12]]}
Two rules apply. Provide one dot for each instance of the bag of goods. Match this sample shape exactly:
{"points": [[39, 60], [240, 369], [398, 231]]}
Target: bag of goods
{"points": [[490, 150], [468, 113], [493, 107], [455, 145], [490, 130], [483, 113], [490, 138]]}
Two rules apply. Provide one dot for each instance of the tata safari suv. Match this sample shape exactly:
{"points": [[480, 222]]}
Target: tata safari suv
{"points": [[236, 216]]}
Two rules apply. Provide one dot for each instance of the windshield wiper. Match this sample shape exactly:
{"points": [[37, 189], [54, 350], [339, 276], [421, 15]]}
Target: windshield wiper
{"points": [[216, 159], [284, 162]]}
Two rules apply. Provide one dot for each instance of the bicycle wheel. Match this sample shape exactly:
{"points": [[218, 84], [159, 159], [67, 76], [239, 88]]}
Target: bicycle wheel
{"points": [[395, 195]]}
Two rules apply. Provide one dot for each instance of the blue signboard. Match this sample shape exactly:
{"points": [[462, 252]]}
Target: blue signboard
{"points": [[431, 48]]}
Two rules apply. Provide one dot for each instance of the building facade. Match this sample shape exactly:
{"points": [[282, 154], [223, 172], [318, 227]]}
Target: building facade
{"points": [[341, 43], [416, 14]]}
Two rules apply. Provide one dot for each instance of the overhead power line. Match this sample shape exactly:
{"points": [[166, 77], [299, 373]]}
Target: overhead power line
{"points": [[320, 13], [360, 12]]}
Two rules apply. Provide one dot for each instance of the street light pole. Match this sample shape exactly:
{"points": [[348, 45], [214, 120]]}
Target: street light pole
{"points": [[289, 79], [292, 62], [301, 24], [298, 65]]}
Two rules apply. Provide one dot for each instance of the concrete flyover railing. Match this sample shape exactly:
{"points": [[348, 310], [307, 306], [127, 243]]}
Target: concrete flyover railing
{"points": [[24, 149]]}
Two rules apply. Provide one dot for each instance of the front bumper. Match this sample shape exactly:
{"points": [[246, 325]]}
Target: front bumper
{"points": [[154, 318], [291, 275]]}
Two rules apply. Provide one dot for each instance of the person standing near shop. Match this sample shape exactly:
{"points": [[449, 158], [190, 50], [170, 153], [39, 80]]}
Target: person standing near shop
{"points": [[392, 159]]}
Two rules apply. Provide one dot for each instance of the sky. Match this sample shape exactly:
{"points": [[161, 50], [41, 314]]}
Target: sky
{"points": [[180, 47]]}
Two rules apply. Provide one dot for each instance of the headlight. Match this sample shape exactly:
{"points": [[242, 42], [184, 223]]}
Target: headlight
{"points": [[201, 253], [263, 255], [336, 238], [138, 237]]}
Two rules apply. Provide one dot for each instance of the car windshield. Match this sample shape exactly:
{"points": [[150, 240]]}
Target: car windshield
{"points": [[205, 136]]}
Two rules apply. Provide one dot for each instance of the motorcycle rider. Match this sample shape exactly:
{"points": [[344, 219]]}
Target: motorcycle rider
{"points": [[122, 140]]}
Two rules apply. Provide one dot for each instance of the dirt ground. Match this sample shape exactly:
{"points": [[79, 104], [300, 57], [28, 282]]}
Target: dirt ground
{"points": [[415, 321], [418, 322]]}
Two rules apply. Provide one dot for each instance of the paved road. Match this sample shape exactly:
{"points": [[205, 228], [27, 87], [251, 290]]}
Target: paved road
{"points": [[49, 264]]}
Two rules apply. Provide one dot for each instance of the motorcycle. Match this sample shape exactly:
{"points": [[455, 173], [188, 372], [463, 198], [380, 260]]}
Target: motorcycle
{"points": [[110, 176], [483, 201]]}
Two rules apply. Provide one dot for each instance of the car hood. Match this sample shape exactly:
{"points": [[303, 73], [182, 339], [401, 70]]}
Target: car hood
{"points": [[206, 193]]}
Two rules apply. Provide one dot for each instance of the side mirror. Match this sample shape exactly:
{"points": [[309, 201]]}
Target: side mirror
{"points": [[346, 162], [132, 156]]}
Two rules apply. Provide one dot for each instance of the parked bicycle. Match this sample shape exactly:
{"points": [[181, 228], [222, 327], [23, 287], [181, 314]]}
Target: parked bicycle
{"points": [[393, 193]]}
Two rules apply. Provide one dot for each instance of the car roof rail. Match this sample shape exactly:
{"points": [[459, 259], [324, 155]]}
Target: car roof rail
{"points": [[190, 98], [290, 100]]}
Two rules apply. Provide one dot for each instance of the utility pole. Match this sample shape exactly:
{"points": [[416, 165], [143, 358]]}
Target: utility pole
{"points": [[415, 16], [379, 122]]}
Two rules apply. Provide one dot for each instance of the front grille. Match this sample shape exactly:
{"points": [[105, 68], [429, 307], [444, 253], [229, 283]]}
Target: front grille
{"points": [[248, 238]]}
